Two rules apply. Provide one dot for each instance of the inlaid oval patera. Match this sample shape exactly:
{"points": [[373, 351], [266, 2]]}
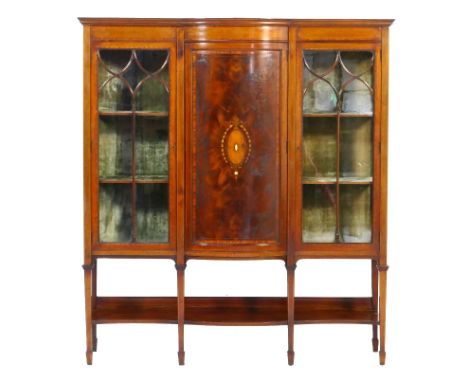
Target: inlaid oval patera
{"points": [[236, 145]]}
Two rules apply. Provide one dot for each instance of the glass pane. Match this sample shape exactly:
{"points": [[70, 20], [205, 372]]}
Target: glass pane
{"points": [[337, 91], [113, 62], [114, 96], [152, 96], [319, 213], [356, 149], [114, 91], [153, 92], [133, 80], [152, 217], [355, 213], [319, 149], [133, 105], [115, 147], [115, 213], [356, 83], [152, 148], [321, 81]]}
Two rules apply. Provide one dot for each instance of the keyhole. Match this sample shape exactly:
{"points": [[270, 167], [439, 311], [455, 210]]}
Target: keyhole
{"points": [[236, 148]]}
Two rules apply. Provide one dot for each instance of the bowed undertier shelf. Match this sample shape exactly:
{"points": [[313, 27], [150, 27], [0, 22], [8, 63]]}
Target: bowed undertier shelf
{"points": [[235, 310]]}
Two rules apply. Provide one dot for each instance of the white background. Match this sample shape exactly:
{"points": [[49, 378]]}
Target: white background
{"points": [[42, 332]]}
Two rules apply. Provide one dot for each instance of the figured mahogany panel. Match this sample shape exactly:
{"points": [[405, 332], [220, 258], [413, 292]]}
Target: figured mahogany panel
{"points": [[235, 163]]}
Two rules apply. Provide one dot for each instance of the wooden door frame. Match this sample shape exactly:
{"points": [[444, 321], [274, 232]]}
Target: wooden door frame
{"points": [[335, 250], [164, 250]]}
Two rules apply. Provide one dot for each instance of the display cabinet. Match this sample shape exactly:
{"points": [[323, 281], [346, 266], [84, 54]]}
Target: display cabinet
{"points": [[235, 139]]}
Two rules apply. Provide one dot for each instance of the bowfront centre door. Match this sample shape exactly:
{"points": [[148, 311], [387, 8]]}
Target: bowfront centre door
{"points": [[236, 148]]}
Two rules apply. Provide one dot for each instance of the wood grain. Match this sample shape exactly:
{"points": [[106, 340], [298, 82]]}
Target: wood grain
{"points": [[160, 22], [230, 205], [220, 70], [234, 310]]}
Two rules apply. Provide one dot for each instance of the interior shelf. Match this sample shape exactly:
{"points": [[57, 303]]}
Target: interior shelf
{"points": [[356, 180], [319, 180], [334, 115], [138, 181], [235, 310], [332, 180], [137, 113]]}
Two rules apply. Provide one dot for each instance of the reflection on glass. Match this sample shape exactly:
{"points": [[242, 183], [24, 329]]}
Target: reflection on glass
{"points": [[321, 80], [355, 213], [357, 82], [115, 96], [133, 80], [319, 149], [115, 213], [152, 95], [337, 81], [115, 147], [357, 99], [151, 213], [114, 93], [356, 148], [318, 213], [113, 62], [152, 148]]}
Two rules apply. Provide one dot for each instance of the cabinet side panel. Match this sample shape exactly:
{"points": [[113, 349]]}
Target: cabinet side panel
{"points": [[86, 144], [180, 166], [384, 149], [235, 146]]}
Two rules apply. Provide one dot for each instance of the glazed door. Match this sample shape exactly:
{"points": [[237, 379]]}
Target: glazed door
{"points": [[236, 148], [338, 132], [133, 125]]}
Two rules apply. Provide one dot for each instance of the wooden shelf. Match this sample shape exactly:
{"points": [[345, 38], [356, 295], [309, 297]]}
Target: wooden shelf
{"points": [[130, 113], [235, 310], [351, 180], [319, 180], [152, 181], [342, 180], [129, 181], [334, 115]]}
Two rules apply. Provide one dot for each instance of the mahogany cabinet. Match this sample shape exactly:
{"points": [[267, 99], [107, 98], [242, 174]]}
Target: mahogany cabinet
{"points": [[235, 139]]}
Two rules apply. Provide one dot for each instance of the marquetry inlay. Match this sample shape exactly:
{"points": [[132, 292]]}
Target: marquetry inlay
{"points": [[236, 145]]}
